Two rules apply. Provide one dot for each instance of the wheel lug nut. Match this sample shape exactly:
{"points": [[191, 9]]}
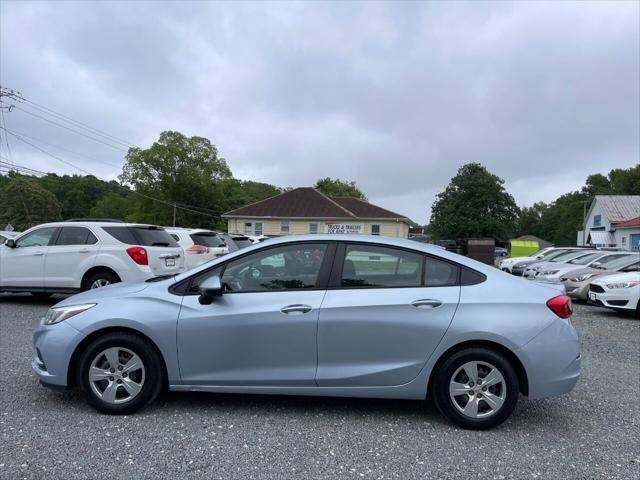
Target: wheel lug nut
{"points": [[471, 384], [484, 389], [119, 381], [471, 394], [479, 395], [112, 370], [111, 378], [124, 374], [120, 367]]}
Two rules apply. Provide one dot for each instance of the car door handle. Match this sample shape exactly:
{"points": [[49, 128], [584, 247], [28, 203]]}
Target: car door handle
{"points": [[426, 303], [37, 254], [84, 250], [296, 309]]}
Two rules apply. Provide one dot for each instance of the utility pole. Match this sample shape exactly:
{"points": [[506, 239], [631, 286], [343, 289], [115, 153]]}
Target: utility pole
{"points": [[174, 214]]}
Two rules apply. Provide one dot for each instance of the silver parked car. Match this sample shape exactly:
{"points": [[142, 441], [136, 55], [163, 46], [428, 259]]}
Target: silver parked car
{"points": [[355, 316]]}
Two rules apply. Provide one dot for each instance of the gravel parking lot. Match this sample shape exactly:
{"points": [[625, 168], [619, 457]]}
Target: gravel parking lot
{"points": [[594, 432]]}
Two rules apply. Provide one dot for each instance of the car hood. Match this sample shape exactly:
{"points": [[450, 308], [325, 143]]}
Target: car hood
{"points": [[619, 277], [515, 259], [110, 291]]}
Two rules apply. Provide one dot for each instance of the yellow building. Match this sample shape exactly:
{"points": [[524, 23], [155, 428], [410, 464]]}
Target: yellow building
{"points": [[306, 210]]}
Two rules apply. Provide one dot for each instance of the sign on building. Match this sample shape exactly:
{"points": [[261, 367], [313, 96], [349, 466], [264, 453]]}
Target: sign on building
{"points": [[342, 228]]}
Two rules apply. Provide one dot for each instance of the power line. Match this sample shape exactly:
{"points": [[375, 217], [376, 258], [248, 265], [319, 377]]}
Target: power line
{"points": [[57, 146], [70, 129], [77, 123]]}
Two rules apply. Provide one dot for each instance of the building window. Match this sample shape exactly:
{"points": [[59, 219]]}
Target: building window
{"points": [[313, 228], [624, 240], [258, 228], [375, 229], [248, 230], [597, 220], [284, 226]]}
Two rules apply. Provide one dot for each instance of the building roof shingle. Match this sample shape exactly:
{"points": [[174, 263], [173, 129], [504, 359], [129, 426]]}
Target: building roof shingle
{"points": [[307, 202]]}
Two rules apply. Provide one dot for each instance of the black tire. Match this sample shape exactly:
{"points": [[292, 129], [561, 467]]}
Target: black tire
{"points": [[450, 366], [41, 295], [153, 372], [100, 276]]}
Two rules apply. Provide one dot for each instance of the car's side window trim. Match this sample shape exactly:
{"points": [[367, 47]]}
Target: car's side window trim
{"points": [[182, 288]]}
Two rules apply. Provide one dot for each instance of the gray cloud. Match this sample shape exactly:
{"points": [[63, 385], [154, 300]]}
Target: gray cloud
{"points": [[393, 95]]}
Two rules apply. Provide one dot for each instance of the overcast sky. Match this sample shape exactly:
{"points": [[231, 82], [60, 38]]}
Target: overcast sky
{"points": [[396, 96]]}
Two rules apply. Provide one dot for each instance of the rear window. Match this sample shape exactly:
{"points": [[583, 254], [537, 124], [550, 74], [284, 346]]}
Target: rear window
{"points": [[207, 239], [145, 236], [242, 242]]}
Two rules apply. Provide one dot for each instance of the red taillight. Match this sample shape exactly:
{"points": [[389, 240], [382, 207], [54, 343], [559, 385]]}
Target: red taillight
{"points": [[561, 306], [138, 255], [197, 249]]}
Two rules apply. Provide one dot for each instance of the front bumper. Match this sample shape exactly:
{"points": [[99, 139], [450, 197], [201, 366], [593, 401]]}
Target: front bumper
{"points": [[53, 347], [552, 360], [577, 290], [612, 299]]}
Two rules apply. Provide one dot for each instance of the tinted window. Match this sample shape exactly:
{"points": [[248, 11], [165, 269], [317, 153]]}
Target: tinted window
{"points": [[122, 234], [207, 239], [371, 266], [471, 277], [175, 237], [611, 259], [75, 236], [439, 273], [146, 236], [37, 238], [284, 268], [242, 242]]}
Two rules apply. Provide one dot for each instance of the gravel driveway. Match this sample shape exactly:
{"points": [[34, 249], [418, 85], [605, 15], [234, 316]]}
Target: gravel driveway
{"points": [[594, 432]]}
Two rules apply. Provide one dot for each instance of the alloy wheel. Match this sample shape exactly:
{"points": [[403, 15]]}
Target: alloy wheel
{"points": [[100, 282], [116, 375], [477, 389]]}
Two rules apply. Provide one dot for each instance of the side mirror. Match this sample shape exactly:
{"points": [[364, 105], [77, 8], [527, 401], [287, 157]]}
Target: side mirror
{"points": [[11, 243], [210, 289]]}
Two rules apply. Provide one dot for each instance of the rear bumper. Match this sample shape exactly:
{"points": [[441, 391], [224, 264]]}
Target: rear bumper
{"points": [[552, 360]]}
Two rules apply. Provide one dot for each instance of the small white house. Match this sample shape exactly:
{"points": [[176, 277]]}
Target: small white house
{"points": [[613, 221]]}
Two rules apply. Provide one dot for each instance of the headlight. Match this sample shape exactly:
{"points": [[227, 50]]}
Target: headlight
{"points": [[613, 286], [582, 278], [59, 314]]}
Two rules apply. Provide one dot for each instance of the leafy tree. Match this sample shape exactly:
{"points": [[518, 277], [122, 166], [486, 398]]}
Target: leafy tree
{"points": [[238, 193], [77, 194], [474, 205], [181, 170], [625, 182], [112, 205], [531, 220], [25, 204], [339, 188]]}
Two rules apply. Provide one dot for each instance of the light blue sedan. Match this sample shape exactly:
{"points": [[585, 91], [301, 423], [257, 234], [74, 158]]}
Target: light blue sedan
{"points": [[353, 316]]}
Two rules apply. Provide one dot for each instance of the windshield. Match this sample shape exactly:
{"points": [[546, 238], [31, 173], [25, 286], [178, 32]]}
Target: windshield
{"points": [[585, 259], [615, 261], [563, 256]]}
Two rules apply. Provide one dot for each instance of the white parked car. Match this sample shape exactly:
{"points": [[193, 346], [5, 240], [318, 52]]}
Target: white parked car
{"points": [[200, 246], [556, 271], [66, 257], [507, 263], [532, 270], [620, 292]]}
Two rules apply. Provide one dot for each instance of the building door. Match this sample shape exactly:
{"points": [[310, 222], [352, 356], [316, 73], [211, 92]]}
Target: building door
{"points": [[635, 242]]}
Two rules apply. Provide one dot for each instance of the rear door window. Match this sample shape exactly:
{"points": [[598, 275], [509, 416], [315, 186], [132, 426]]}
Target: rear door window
{"points": [[373, 266]]}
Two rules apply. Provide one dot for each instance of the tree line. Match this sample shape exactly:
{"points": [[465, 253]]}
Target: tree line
{"points": [[187, 176], [177, 174]]}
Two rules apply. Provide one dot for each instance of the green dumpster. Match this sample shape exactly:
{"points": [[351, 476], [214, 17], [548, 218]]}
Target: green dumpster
{"points": [[523, 248]]}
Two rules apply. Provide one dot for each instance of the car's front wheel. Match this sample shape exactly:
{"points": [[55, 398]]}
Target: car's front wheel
{"points": [[476, 388], [120, 373]]}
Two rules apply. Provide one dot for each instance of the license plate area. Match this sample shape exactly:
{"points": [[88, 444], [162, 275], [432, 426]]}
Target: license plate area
{"points": [[170, 262], [592, 296]]}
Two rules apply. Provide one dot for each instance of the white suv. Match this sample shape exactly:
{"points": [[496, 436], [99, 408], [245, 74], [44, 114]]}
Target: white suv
{"points": [[71, 256], [199, 246]]}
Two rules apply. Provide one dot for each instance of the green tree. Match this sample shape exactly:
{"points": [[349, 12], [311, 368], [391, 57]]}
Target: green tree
{"points": [[625, 181], [25, 204], [531, 219], [77, 194], [112, 205], [474, 205], [339, 188], [181, 170], [238, 193]]}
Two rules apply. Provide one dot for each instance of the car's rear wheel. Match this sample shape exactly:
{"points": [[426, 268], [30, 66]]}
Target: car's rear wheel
{"points": [[120, 373], [476, 388], [100, 279]]}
